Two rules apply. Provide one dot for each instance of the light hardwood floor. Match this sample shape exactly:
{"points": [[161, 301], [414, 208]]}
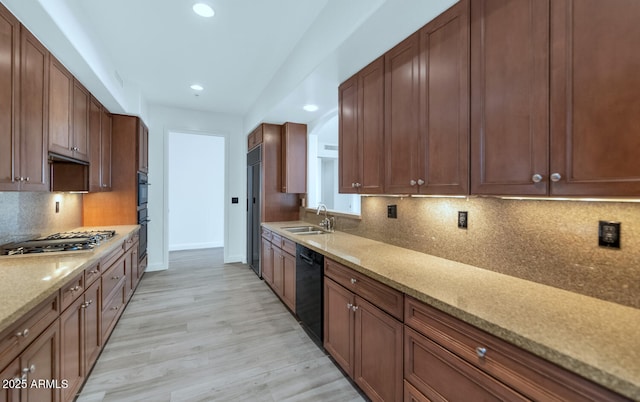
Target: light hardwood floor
{"points": [[208, 331]]}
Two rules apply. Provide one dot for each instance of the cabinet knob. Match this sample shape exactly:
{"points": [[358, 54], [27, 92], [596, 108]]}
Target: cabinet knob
{"points": [[358, 185], [115, 278], [536, 178], [420, 182], [413, 182], [31, 369], [481, 351], [27, 178], [555, 177], [354, 308], [24, 333], [115, 308], [353, 185], [349, 305], [353, 280]]}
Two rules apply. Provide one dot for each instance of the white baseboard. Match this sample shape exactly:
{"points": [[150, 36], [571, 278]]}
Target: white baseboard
{"points": [[158, 266], [194, 246], [235, 258]]}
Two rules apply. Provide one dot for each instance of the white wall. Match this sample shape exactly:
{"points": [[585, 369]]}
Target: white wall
{"points": [[196, 191], [163, 120]]}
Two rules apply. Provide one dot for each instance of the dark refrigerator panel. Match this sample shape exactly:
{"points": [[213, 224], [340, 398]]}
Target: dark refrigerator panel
{"points": [[253, 209]]}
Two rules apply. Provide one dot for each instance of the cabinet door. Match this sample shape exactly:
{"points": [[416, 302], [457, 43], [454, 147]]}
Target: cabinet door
{"points": [[339, 324], [378, 352], [80, 122], [371, 128], [9, 99], [509, 96], [60, 108], [289, 281], [444, 103], [72, 330], [278, 271], [12, 372], [266, 259], [95, 145], [92, 322], [294, 158], [105, 150], [348, 151], [594, 98], [143, 147], [41, 362], [401, 134], [34, 109]]}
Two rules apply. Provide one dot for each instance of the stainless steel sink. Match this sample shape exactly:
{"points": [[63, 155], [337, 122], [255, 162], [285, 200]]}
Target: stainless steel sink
{"points": [[304, 230]]}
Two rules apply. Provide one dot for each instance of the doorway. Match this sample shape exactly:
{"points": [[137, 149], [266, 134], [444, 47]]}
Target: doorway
{"points": [[196, 191]]}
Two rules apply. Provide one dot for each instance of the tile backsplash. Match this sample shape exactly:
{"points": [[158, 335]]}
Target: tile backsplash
{"points": [[549, 242], [28, 214]]}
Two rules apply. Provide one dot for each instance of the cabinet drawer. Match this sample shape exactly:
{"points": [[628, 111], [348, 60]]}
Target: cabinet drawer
{"points": [[384, 297], [276, 240], [112, 278], [289, 246], [107, 261], [130, 241], [112, 308], [266, 234], [441, 375], [532, 376], [71, 291], [91, 274], [21, 334]]}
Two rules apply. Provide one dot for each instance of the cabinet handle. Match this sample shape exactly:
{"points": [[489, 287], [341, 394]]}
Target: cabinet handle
{"points": [[413, 182], [74, 289], [354, 308], [31, 369], [86, 304], [93, 272], [536, 178], [353, 281], [481, 351], [349, 305], [27, 178], [420, 182], [555, 177], [24, 333], [358, 185], [115, 308], [115, 278], [353, 185]]}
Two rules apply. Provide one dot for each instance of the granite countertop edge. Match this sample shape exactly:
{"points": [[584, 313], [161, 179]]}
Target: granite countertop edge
{"points": [[79, 261], [625, 382]]}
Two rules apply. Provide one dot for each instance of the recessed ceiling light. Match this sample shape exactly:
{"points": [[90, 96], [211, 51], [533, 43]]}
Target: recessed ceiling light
{"points": [[310, 108], [197, 87], [203, 10]]}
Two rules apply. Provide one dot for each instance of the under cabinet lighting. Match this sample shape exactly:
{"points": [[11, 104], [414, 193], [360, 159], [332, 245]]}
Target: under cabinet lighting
{"points": [[203, 10]]}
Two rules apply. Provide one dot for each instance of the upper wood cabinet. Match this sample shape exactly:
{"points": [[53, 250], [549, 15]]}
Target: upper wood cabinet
{"points": [[143, 147], [100, 147], [60, 109], [23, 107], [294, 158], [595, 105], [80, 123], [426, 135], [555, 114], [401, 120], [361, 131], [443, 161], [509, 86]]}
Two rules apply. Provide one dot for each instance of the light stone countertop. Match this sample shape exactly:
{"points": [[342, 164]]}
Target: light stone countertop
{"points": [[596, 339], [28, 280]]}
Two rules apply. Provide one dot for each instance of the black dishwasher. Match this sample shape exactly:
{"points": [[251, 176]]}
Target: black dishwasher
{"points": [[309, 290]]}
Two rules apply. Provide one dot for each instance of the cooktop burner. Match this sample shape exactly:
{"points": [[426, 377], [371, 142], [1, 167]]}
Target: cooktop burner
{"points": [[65, 241]]}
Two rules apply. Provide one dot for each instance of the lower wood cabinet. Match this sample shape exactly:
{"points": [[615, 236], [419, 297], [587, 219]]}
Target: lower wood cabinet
{"points": [[363, 339], [279, 268]]}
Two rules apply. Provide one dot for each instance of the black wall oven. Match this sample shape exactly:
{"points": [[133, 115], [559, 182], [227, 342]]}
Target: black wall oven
{"points": [[143, 218]]}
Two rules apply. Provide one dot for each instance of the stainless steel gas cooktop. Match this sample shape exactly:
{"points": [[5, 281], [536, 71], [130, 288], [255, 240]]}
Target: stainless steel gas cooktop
{"points": [[65, 241]]}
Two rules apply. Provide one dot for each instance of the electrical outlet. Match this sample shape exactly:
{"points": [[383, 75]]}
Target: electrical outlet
{"points": [[463, 219], [392, 211], [609, 234]]}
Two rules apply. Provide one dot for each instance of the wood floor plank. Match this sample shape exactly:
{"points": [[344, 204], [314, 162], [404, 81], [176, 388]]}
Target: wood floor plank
{"points": [[208, 331]]}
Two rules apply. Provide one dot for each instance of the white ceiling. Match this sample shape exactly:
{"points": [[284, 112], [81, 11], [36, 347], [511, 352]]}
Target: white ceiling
{"points": [[261, 60]]}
